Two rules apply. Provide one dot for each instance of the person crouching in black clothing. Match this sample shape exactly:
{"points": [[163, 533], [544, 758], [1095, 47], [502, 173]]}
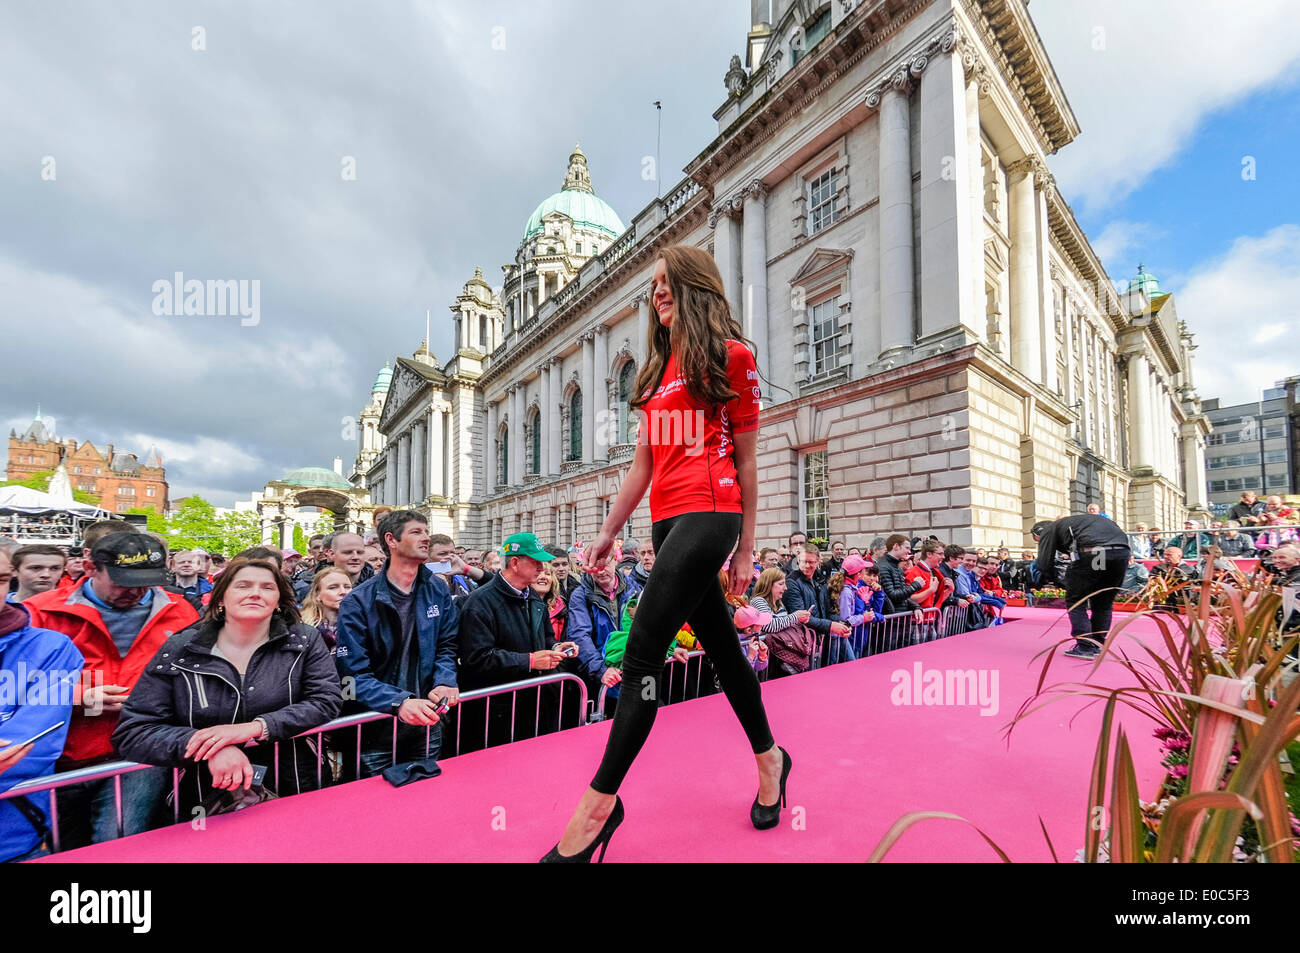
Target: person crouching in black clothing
{"points": [[1100, 552]]}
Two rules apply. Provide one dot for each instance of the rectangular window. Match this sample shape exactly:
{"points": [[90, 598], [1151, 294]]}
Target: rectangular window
{"points": [[815, 493], [1218, 486], [823, 201], [149, 491], [577, 248], [825, 330], [126, 491]]}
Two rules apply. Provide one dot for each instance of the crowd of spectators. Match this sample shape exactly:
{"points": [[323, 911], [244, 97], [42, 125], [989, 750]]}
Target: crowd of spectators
{"points": [[186, 660]]}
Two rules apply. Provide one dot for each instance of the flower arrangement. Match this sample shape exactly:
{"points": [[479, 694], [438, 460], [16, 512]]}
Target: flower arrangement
{"points": [[1224, 714], [1048, 592]]}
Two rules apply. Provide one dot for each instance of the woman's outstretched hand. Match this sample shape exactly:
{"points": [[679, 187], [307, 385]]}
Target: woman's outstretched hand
{"points": [[600, 547], [741, 573]]}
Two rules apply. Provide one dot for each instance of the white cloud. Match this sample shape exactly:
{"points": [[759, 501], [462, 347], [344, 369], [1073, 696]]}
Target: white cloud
{"points": [[1233, 304], [216, 457], [1142, 77], [1115, 241]]}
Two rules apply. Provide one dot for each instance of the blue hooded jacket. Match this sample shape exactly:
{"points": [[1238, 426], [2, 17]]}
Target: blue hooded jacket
{"points": [[38, 657], [369, 634]]}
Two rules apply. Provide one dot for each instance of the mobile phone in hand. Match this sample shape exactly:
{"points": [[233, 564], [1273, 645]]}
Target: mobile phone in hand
{"points": [[37, 737]]}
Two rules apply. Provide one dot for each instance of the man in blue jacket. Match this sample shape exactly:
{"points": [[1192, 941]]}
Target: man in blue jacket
{"points": [[45, 667], [396, 653]]}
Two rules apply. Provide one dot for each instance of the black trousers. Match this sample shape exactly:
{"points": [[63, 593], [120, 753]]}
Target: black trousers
{"points": [[1094, 578], [683, 587]]}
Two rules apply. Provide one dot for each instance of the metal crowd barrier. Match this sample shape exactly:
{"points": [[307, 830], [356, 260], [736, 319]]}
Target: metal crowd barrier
{"points": [[116, 769], [670, 668]]}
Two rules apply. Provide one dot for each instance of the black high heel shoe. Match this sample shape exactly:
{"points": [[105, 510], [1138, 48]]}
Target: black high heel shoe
{"points": [[767, 816], [602, 841]]}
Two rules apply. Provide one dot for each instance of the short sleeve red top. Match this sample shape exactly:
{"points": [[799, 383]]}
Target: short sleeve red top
{"points": [[692, 443]]}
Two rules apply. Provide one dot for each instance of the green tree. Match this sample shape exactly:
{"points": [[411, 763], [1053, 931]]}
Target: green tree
{"points": [[299, 539], [41, 481], [241, 530]]}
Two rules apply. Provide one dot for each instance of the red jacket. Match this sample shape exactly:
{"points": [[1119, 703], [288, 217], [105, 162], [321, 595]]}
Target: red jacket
{"points": [[922, 572], [70, 613], [991, 583]]}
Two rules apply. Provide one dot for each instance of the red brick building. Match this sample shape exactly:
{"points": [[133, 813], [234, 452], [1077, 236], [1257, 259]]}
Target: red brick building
{"points": [[120, 480]]}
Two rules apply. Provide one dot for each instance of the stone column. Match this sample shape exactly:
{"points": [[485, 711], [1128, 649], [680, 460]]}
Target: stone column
{"points": [[437, 487], [544, 414], [1043, 181], [643, 327], [1067, 311], [418, 462], [553, 416], [600, 423], [404, 469], [541, 290], [589, 387], [896, 304], [947, 257], [517, 435], [1194, 478], [490, 451], [755, 267], [1139, 413], [1026, 340], [975, 158], [726, 250]]}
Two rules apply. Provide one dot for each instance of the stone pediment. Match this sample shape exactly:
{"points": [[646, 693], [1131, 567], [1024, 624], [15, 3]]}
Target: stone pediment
{"points": [[821, 261], [408, 383]]}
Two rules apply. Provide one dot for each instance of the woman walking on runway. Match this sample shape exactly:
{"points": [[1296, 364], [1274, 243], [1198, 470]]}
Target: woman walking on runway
{"points": [[696, 447]]}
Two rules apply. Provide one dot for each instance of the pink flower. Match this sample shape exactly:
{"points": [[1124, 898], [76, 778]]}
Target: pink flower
{"points": [[1178, 771]]}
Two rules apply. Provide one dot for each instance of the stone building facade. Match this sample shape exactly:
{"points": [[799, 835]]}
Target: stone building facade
{"points": [[120, 480], [939, 346]]}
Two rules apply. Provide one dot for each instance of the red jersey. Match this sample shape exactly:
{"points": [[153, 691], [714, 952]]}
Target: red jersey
{"points": [[692, 444], [923, 572]]}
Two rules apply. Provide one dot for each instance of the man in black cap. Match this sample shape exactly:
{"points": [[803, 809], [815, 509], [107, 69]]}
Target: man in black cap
{"points": [[1100, 553]]}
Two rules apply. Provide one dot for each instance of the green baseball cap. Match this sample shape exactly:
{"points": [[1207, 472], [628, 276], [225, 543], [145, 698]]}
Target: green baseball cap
{"points": [[524, 544]]}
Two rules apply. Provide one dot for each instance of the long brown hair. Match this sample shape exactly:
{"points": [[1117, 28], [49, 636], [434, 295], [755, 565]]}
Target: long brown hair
{"points": [[701, 326], [766, 580], [287, 609], [312, 610]]}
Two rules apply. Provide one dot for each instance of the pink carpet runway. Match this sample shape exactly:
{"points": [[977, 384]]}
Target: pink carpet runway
{"points": [[865, 752]]}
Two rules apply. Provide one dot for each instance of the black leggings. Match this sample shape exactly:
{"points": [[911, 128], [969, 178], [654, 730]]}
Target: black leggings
{"points": [[683, 587]]}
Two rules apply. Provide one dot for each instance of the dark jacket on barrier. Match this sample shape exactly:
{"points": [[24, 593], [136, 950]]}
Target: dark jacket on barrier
{"points": [[291, 682], [592, 617], [895, 586], [498, 630], [800, 593], [370, 640]]}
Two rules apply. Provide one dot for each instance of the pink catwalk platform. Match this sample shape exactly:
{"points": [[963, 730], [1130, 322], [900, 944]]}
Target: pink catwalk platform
{"points": [[860, 761]]}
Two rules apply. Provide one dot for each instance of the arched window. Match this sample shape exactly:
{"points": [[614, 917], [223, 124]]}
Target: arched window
{"points": [[482, 332], [575, 425], [535, 444], [626, 381]]}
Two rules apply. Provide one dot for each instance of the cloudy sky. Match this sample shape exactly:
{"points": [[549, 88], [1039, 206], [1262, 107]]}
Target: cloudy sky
{"points": [[212, 139]]}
